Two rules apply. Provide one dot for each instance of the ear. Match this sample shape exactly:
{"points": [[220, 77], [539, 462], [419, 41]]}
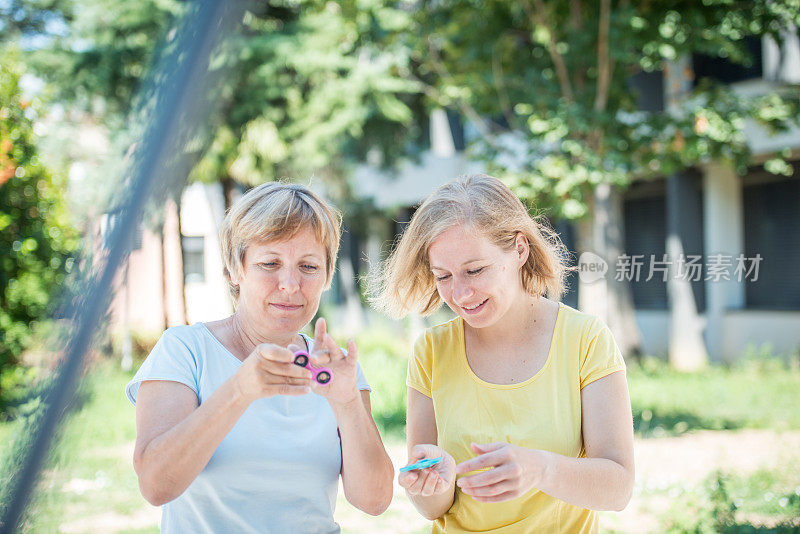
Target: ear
{"points": [[522, 248]]}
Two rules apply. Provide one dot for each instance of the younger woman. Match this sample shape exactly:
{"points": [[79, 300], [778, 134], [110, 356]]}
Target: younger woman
{"points": [[524, 398]]}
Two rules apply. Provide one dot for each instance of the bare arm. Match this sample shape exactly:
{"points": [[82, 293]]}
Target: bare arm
{"points": [[601, 481], [176, 436], [367, 471], [431, 490], [604, 479]]}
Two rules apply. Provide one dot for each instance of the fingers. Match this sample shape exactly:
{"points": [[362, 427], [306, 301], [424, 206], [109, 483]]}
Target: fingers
{"points": [[352, 351], [492, 490], [274, 353], [407, 478], [507, 496], [320, 329], [478, 448], [485, 478], [429, 486], [291, 389], [490, 459]]}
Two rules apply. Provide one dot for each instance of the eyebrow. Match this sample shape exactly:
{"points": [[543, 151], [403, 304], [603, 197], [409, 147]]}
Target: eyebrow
{"points": [[272, 252], [465, 263]]}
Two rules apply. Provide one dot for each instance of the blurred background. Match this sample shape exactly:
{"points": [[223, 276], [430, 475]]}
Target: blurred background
{"points": [[661, 140]]}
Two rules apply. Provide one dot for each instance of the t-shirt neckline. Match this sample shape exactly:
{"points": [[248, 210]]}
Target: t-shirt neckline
{"points": [[462, 345], [232, 355]]}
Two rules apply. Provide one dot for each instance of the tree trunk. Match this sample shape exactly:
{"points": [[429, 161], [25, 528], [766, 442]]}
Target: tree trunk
{"points": [[687, 349], [608, 298]]}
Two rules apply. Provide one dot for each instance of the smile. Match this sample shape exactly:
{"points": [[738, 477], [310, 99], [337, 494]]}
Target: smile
{"points": [[474, 308]]}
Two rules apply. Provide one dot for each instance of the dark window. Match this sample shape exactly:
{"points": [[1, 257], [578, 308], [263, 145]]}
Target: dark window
{"points": [[566, 230], [193, 258], [456, 129], [772, 230], [649, 90], [645, 239], [725, 71]]}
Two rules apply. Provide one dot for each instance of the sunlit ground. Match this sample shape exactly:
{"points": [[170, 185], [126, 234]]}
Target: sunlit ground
{"points": [[746, 479]]}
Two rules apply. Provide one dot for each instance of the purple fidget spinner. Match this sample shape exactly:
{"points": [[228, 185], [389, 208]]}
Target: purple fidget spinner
{"points": [[322, 375]]}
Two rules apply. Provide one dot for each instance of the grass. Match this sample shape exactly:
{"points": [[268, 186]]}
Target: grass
{"points": [[763, 394], [89, 475]]}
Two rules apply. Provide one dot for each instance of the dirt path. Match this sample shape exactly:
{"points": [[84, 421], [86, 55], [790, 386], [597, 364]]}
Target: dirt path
{"points": [[661, 464]]}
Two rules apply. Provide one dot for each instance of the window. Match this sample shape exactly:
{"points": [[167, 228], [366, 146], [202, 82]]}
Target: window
{"points": [[646, 237], [193, 258], [771, 222]]}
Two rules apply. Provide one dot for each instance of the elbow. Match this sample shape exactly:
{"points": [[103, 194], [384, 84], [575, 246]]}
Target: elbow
{"points": [[152, 487], [626, 496], [374, 504], [153, 494], [377, 506]]}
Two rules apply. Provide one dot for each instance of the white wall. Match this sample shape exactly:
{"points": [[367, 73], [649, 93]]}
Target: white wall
{"points": [[202, 207]]}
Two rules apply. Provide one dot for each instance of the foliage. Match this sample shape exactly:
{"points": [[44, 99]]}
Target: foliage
{"points": [[384, 358], [556, 80], [764, 501], [35, 236], [669, 402]]}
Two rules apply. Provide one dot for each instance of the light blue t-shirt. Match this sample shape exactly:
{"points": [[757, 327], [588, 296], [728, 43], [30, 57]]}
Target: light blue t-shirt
{"points": [[276, 471]]}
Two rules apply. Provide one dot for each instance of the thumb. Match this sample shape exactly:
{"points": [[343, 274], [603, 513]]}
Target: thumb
{"points": [[418, 452], [487, 447]]}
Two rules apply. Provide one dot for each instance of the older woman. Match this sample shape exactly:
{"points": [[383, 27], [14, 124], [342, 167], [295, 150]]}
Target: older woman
{"points": [[232, 436]]}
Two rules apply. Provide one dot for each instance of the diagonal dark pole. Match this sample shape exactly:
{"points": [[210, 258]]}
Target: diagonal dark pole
{"points": [[177, 91]]}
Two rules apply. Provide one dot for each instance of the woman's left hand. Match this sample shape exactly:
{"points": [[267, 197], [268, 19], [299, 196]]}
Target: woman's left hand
{"points": [[512, 471], [342, 387]]}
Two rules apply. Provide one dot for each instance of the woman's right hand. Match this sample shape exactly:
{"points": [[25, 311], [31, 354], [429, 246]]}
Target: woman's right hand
{"points": [[270, 371], [431, 480]]}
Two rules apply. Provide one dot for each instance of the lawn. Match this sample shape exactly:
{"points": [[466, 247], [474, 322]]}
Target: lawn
{"points": [[90, 485]]}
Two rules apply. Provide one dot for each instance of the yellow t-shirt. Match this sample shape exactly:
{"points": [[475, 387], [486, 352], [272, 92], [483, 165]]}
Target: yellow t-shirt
{"points": [[543, 412]]}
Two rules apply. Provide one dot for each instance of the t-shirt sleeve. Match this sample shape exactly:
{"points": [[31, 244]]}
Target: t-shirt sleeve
{"points": [[420, 365], [171, 359], [601, 356], [361, 380]]}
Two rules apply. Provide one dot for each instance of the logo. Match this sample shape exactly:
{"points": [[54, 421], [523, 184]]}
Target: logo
{"points": [[591, 267]]}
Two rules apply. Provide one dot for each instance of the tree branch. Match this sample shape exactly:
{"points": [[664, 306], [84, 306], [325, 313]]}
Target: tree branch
{"points": [[464, 106], [604, 64], [502, 95], [537, 15], [577, 27]]}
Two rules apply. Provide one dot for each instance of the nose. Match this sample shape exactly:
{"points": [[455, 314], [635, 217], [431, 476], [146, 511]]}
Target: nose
{"points": [[461, 290], [288, 281]]}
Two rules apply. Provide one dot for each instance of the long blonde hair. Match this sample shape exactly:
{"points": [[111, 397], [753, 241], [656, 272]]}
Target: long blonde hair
{"points": [[405, 282]]}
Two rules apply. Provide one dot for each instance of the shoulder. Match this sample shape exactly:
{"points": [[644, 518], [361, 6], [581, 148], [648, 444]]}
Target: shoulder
{"points": [[439, 335], [577, 324]]}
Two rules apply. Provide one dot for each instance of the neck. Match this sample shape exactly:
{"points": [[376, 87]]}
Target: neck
{"points": [[249, 336], [513, 327]]}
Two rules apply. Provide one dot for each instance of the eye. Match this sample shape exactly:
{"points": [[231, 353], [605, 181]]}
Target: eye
{"points": [[267, 264], [309, 268], [473, 272], [442, 278]]}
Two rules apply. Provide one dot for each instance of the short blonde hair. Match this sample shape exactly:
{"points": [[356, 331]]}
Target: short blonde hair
{"points": [[405, 282], [273, 212]]}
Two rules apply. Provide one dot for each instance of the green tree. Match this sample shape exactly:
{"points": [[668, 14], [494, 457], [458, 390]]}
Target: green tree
{"points": [[36, 239], [311, 86], [547, 83]]}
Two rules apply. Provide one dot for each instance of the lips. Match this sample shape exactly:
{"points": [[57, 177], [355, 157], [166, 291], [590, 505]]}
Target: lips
{"points": [[475, 309], [286, 306]]}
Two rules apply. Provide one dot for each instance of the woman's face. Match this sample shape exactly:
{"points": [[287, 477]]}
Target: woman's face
{"points": [[476, 278], [282, 282]]}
